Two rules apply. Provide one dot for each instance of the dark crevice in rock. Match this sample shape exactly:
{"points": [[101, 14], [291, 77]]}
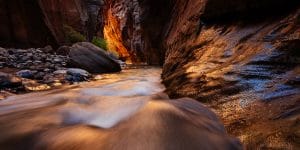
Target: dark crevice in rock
{"points": [[248, 11]]}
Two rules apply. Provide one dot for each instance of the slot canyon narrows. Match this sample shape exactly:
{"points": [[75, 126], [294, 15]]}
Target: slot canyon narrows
{"points": [[149, 74]]}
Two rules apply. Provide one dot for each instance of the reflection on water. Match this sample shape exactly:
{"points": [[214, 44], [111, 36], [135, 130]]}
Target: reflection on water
{"points": [[122, 111], [102, 103]]}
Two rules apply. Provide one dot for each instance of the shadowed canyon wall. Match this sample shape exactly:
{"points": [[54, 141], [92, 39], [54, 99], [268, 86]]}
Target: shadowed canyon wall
{"points": [[22, 24], [41, 22]]}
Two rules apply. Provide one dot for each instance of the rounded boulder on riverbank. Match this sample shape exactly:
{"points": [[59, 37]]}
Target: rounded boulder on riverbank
{"points": [[92, 58]]}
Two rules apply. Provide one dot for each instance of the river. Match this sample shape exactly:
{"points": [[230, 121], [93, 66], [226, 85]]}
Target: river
{"points": [[126, 110]]}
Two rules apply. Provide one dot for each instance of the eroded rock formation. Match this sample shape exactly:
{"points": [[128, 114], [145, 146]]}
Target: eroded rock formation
{"points": [[208, 50], [242, 59], [136, 28]]}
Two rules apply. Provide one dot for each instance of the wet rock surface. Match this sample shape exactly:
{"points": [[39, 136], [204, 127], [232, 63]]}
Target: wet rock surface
{"points": [[9, 81], [246, 70]]}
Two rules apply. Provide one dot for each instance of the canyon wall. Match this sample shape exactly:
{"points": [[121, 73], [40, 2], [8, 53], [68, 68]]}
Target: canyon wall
{"points": [[41, 22], [218, 50], [22, 24], [239, 57], [233, 55], [225, 53], [199, 36], [135, 28]]}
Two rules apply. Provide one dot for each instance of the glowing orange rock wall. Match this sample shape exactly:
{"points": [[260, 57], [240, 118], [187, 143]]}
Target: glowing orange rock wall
{"points": [[135, 29], [112, 35]]}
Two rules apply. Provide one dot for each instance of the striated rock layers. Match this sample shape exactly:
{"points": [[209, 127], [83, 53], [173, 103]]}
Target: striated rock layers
{"points": [[223, 52], [241, 58], [135, 28], [38, 23], [122, 28]]}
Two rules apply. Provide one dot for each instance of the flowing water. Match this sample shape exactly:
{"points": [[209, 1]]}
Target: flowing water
{"points": [[121, 111], [102, 103]]}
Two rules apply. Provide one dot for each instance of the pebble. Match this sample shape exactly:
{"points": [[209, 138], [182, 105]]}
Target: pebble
{"points": [[44, 68]]}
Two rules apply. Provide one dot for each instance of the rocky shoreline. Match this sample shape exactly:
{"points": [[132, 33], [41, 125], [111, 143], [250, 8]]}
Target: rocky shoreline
{"points": [[37, 69]]}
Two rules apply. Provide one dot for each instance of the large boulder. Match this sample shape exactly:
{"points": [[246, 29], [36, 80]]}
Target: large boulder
{"points": [[87, 56]]}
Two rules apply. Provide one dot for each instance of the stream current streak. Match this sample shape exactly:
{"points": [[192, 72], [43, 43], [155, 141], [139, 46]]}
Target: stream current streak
{"points": [[122, 111]]}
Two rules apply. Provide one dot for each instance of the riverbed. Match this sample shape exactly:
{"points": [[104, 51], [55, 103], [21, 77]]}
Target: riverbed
{"points": [[103, 103]]}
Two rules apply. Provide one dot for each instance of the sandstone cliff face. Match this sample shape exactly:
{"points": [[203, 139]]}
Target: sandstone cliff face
{"points": [[135, 28], [233, 55], [58, 13], [82, 15], [38, 23], [22, 24], [123, 30], [199, 48]]}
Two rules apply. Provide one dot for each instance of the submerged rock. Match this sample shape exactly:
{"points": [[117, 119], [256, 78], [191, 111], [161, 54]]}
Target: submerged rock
{"points": [[92, 58]]}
